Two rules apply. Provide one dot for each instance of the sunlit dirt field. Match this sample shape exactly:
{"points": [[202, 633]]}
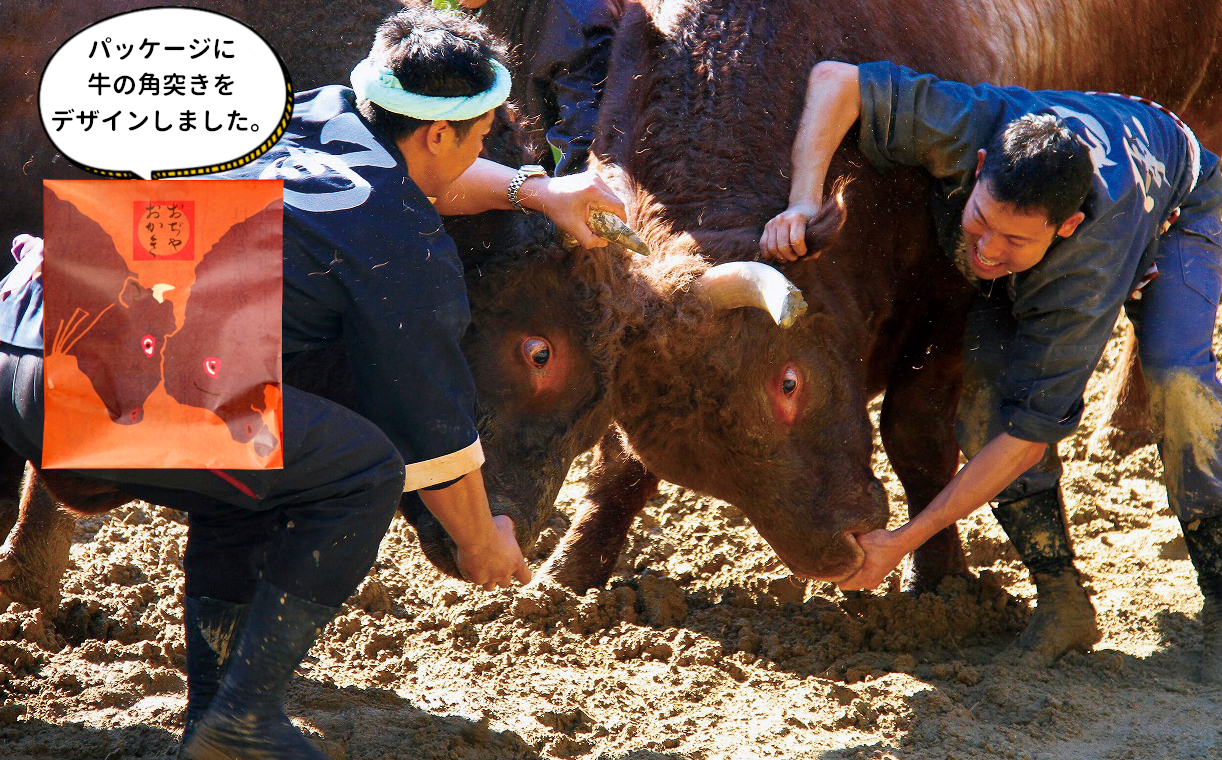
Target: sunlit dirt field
{"points": [[702, 646]]}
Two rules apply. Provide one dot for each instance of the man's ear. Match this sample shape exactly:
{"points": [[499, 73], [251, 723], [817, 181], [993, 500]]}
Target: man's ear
{"points": [[979, 161], [436, 136], [1069, 225]]}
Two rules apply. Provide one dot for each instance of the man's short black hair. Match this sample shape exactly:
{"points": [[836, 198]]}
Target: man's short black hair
{"points": [[435, 53], [1037, 164]]}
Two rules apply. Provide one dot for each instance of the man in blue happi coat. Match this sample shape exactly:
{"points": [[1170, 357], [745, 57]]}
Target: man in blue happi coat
{"points": [[272, 554], [1063, 207]]}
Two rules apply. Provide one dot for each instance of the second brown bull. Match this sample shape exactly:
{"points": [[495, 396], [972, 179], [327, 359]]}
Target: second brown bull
{"points": [[540, 347], [226, 353], [701, 110]]}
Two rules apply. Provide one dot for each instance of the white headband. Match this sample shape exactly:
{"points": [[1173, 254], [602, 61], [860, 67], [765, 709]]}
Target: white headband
{"points": [[380, 85]]}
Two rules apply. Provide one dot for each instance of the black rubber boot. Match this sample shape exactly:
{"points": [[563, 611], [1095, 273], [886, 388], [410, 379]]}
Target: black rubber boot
{"points": [[1204, 540], [1036, 527], [1064, 618], [212, 628], [246, 719]]}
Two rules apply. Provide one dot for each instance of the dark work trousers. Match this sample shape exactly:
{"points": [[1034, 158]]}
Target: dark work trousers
{"points": [[312, 528], [1174, 323]]}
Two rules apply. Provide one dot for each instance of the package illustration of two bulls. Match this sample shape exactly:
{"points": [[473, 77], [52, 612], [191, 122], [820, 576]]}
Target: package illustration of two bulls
{"points": [[162, 324]]}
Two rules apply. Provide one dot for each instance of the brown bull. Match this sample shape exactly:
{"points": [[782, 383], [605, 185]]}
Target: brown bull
{"points": [[541, 345], [227, 351], [701, 110]]}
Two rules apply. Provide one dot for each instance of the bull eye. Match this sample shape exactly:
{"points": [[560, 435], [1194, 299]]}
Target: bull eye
{"points": [[148, 343], [537, 352], [212, 366], [789, 381]]}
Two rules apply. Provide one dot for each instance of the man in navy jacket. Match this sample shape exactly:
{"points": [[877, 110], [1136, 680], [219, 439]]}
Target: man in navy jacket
{"points": [[1060, 206]]}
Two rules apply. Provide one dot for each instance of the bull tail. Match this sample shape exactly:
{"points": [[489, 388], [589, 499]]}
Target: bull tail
{"points": [[821, 231], [64, 333], [67, 346]]}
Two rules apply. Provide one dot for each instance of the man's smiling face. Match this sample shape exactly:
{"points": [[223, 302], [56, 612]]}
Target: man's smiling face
{"points": [[1000, 239]]}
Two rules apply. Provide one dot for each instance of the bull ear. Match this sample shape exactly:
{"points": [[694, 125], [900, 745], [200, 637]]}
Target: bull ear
{"points": [[751, 283], [132, 292]]}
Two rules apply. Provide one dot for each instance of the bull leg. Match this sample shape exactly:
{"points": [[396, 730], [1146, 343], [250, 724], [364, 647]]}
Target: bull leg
{"points": [[587, 553], [12, 470], [1126, 407], [34, 557], [917, 430]]}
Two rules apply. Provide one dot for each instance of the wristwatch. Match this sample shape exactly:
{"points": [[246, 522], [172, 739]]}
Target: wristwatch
{"points": [[515, 185]]}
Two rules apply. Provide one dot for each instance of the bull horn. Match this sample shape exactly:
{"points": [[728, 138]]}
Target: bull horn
{"points": [[611, 227], [751, 283], [159, 291]]}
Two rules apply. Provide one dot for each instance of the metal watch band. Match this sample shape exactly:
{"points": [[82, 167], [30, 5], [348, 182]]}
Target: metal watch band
{"points": [[515, 185]]}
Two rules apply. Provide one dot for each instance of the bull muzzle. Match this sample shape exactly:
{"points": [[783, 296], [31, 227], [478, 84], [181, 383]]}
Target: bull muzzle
{"points": [[439, 548]]}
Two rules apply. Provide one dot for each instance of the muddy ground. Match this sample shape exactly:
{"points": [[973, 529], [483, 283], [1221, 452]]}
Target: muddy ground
{"points": [[702, 646]]}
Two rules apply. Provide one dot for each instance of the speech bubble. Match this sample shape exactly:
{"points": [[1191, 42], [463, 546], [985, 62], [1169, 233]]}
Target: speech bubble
{"points": [[164, 92]]}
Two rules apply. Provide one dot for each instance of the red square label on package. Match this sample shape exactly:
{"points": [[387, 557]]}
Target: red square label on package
{"points": [[164, 231]]}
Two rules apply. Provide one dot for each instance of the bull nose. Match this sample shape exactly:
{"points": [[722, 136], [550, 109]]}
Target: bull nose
{"points": [[436, 544], [501, 505], [836, 559], [846, 562], [829, 551]]}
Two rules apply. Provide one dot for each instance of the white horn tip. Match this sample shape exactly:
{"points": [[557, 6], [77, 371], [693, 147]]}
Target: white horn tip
{"points": [[159, 291], [790, 309]]}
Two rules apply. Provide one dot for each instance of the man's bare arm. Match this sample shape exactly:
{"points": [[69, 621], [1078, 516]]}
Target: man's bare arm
{"points": [[567, 200], [833, 105], [989, 472], [488, 555]]}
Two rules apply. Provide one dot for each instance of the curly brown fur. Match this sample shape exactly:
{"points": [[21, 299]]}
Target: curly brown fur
{"points": [[693, 76], [522, 282]]}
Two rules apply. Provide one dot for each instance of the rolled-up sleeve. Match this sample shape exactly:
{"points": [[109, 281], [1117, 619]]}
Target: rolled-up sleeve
{"points": [[919, 120]]}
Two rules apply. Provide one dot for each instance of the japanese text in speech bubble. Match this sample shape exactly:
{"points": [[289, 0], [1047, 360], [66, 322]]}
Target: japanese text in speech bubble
{"points": [[164, 92]]}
